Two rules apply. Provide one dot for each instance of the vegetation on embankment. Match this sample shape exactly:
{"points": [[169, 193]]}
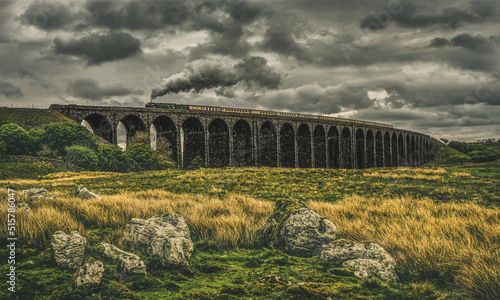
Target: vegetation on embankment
{"points": [[31, 118], [444, 244]]}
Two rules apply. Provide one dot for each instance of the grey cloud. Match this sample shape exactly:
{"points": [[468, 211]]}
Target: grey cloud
{"points": [[438, 42], [478, 12], [137, 15], [91, 90], [97, 49], [477, 43], [202, 75], [10, 91], [50, 15]]}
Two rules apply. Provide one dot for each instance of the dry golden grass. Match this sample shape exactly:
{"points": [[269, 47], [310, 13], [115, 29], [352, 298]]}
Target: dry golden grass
{"points": [[446, 240]]}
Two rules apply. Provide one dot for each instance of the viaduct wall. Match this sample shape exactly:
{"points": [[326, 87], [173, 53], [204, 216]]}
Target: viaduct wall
{"points": [[232, 138]]}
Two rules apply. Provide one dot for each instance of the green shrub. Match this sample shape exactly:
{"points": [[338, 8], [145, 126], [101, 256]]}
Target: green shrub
{"points": [[61, 135], [3, 148], [482, 156], [113, 159], [196, 163], [36, 137], [16, 139], [146, 158], [82, 156]]}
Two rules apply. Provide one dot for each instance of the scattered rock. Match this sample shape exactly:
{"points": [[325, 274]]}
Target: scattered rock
{"points": [[166, 236], [35, 193], [69, 249], [297, 229], [274, 280], [83, 193], [129, 264], [88, 275], [23, 206], [367, 259]]}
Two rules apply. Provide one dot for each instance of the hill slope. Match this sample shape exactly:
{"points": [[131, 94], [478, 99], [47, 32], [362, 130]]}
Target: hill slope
{"points": [[31, 118]]}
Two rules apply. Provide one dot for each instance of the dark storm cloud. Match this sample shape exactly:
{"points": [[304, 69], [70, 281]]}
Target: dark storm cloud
{"points": [[477, 12], [137, 15], [10, 91], [97, 49], [476, 43], [279, 38], [438, 42], [202, 75], [90, 89], [227, 35], [50, 15]]}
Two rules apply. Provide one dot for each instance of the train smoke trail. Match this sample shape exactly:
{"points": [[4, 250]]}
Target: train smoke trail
{"points": [[201, 75]]}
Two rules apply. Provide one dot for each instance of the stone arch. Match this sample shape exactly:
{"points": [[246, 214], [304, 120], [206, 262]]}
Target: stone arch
{"points": [[401, 150], [379, 149], [287, 145], [413, 163], [346, 148], [133, 124], [394, 152], [100, 126], [242, 144], [166, 133], [319, 147], [387, 149], [304, 146], [417, 151], [218, 144], [360, 148], [370, 149], [408, 150], [268, 145], [333, 148], [193, 137]]}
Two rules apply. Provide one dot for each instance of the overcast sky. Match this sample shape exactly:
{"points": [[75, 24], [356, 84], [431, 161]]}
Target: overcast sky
{"points": [[428, 66]]}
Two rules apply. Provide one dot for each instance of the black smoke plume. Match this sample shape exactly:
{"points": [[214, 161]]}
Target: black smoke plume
{"points": [[201, 75]]}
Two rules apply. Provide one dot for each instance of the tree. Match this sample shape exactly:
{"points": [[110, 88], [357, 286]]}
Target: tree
{"points": [[139, 137], [58, 136], [112, 158], [16, 139], [146, 158], [82, 156], [36, 137]]}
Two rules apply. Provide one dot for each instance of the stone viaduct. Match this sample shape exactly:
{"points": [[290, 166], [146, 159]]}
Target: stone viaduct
{"points": [[224, 137]]}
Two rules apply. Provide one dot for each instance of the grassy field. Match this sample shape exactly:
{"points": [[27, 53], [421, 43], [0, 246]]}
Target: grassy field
{"points": [[441, 223]]}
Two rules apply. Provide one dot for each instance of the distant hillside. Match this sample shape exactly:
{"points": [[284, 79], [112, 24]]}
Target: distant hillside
{"points": [[444, 154], [31, 118]]}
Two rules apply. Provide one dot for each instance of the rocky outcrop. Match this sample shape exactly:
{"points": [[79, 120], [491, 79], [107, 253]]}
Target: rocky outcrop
{"points": [[297, 229], [35, 193], [129, 264], [367, 259], [88, 275], [69, 249], [166, 236], [83, 193]]}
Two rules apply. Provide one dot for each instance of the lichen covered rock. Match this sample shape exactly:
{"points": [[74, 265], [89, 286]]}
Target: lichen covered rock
{"points": [[35, 193], [297, 229], [88, 275], [129, 264], [166, 236], [366, 259], [83, 193], [69, 249]]}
